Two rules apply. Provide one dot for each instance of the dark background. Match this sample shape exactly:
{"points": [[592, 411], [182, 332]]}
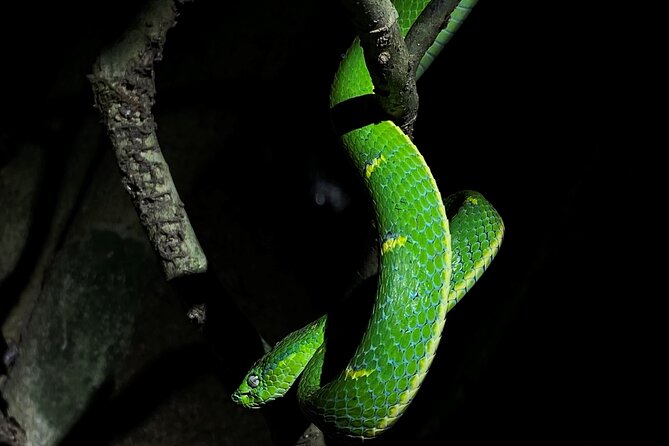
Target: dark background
{"points": [[515, 107]]}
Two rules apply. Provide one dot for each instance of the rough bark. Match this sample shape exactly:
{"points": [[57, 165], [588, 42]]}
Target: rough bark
{"points": [[124, 88]]}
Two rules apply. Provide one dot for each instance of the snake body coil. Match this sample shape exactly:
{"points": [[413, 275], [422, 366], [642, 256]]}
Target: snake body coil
{"points": [[426, 267]]}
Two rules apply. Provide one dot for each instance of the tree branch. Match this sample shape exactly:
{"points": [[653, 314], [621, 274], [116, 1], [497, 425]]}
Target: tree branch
{"points": [[427, 26], [124, 89], [387, 59], [391, 60]]}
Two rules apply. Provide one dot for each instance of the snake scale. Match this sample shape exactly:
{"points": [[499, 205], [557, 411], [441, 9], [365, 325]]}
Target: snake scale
{"points": [[431, 253]]}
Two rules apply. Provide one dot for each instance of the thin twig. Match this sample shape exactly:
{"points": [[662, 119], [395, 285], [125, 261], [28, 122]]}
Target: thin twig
{"points": [[427, 26]]}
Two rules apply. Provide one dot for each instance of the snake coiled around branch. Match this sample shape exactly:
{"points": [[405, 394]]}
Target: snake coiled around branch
{"points": [[431, 253]]}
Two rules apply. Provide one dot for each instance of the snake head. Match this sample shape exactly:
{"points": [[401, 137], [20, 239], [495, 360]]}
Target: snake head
{"points": [[252, 393], [269, 378], [273, 374]]}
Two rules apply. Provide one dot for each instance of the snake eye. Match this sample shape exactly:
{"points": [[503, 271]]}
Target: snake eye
{"points": [[253, 381]]}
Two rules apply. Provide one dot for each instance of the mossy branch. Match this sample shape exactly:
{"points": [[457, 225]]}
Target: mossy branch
{"points": [[124, 89]]}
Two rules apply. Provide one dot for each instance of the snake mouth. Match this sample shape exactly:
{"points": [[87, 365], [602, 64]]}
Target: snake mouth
{"points": [[244, 399]]}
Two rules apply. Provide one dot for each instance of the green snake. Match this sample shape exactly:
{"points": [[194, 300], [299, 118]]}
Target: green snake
{"points": [[426, 266]]}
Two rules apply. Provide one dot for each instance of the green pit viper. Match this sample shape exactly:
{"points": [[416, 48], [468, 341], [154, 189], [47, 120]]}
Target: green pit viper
{"points": [[426, 267]]}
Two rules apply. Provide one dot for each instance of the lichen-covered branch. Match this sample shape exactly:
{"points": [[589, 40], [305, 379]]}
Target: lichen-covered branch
{"points": [[124, 89]]}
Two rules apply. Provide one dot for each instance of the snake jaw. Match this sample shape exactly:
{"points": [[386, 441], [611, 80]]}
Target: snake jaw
{"points": [[245, 399]]}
